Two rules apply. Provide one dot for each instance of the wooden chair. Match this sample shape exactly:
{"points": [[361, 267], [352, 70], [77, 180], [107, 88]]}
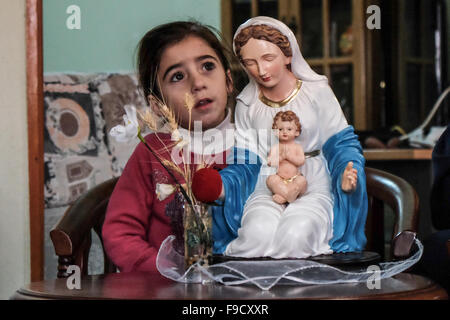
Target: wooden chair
{"points": [[383, 189], [71, 237]]}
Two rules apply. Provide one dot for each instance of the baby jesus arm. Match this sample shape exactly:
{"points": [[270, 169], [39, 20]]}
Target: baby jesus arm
{"points": [[295, 155], [273, 159]]}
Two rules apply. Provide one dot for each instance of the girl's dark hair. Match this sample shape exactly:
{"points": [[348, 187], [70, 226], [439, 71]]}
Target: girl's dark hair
{"points": [[155, 41]]}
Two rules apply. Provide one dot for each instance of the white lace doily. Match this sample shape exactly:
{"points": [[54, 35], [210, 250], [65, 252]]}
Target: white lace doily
{"points": [[266, 274]]}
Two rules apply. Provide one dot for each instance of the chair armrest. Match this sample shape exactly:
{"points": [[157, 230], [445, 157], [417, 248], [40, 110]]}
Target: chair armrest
{"points": [[71, 231], [398, 194], [403, 245]]}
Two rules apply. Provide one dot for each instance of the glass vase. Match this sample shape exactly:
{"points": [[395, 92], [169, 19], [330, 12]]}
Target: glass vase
{"points": [[197, 234]]}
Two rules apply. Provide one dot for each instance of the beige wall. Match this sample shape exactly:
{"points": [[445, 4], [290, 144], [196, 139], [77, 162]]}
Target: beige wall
{"points": [[14, 216]]}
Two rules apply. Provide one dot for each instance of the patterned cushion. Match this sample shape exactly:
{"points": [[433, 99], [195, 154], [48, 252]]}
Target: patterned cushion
{"points": [[79, 112]]}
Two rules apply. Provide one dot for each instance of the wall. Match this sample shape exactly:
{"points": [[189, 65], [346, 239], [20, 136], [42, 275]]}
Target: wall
{"points": [[110, 30], [14, 212]]}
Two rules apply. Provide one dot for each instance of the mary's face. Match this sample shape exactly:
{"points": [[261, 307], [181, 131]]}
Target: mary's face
{"points": [[265, 62]]}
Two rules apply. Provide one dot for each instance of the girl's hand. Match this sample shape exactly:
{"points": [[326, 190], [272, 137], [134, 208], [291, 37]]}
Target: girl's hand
{"points": [[349, 178]]}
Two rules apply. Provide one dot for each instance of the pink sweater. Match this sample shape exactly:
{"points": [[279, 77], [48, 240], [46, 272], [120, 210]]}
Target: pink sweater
{"points": [[136, 221]]}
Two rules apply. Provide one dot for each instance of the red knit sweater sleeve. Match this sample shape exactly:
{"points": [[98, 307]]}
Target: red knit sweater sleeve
{"points": [[128, 216]]}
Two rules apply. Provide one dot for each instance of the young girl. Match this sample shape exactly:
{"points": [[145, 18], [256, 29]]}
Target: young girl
{"points": [[173, 59]]}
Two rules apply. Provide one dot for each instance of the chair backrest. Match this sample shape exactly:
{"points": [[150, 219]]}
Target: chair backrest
{"points": [[383, 189], [71, 237]]}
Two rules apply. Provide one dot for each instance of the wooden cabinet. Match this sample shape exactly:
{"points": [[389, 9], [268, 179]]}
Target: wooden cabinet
{"points": [[420, 62], [331, 34]]}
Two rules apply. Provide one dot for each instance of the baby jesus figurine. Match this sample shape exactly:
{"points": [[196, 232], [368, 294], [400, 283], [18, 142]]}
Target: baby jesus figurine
{"points": [[288, 183]]}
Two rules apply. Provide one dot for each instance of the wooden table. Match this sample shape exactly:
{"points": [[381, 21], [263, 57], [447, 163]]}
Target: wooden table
{"points": [[143, 286]]}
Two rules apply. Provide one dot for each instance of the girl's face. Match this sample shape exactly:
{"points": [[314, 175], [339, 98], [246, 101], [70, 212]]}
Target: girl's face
{"points": [[265, 62], [192, 66]]}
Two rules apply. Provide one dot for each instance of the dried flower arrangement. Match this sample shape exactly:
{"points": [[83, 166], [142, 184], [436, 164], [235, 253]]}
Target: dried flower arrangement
{"points": [[196, 220]]}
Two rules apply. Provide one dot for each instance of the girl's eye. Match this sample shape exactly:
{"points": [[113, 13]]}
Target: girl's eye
{"points": [[178, 76], [208, 66], [249, 63]]}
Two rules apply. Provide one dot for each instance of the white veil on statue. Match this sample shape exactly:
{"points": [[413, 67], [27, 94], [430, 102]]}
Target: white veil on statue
{"points": [[300, 68]]}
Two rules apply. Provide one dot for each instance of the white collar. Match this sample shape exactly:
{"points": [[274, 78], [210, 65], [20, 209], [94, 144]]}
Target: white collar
{"points": [[211, 141]]}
